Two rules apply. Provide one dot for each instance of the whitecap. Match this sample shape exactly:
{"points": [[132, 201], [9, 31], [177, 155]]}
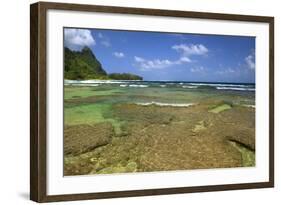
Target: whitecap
{"points": [[138, 86]]}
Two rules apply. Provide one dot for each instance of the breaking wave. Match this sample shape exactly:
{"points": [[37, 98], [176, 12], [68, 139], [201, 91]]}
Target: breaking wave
{"points": [[166, 104], [236, 88], [138, 86]]}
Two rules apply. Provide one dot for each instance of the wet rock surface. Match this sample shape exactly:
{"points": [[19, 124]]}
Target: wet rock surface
{"points": [[161, 139], [79, 139]]}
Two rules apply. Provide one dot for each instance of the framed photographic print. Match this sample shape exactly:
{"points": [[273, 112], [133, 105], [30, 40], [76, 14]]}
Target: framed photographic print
{"points": [[134, 102]]}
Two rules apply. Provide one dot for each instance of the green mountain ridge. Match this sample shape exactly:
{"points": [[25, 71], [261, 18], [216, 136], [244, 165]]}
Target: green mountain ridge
{"points": [[83, 65]]}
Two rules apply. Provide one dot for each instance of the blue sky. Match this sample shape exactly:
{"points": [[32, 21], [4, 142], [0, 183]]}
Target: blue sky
{"points": [[169, 56]]}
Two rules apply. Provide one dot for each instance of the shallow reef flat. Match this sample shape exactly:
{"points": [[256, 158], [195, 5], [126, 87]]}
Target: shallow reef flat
{"points": [[116, 131]]}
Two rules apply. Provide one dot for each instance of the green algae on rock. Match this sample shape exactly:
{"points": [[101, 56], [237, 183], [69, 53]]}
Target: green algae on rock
{"points": [[220, 108], [109, 132]]}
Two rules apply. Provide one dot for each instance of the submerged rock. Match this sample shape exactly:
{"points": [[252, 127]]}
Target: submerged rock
{"points": [[144, 114], [202, 125], [220, 108], [83, 138], [130, 167], [155, 138], [248, 155]]}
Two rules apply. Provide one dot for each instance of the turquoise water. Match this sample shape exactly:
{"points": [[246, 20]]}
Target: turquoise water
{"points": [[132, 126], [165, 92]]}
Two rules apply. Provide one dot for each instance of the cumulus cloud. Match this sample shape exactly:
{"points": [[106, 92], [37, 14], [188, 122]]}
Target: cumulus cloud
{"points": [[250, 61], [75, 39], [146, 65], [184, 59], [192, 49], [185, 52], [119, 54]]}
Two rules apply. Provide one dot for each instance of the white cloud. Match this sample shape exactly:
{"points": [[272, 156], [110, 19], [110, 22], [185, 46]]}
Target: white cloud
{"points": [[75, 39], [146, 65], [105, 41], [185, 52], [185, 59], [198, 70], [250, 61], [226, 71], [119, 54], [139, 59], [192, 49]]}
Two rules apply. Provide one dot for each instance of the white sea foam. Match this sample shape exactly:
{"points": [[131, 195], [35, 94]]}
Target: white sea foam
{"points": [[92, 85], [162, 86], [82, 84], [99, 81], [189, 86], [138, 86], [219, 84], [70, 81], [123, 85], [251, 106], [166, 104], [235, 88]]}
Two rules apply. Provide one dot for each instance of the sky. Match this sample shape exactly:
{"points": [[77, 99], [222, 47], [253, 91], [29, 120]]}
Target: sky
{"points": [[169, 56]]}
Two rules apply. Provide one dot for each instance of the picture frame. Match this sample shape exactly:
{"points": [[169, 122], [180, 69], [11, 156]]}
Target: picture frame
{"points": [[40, 36]]}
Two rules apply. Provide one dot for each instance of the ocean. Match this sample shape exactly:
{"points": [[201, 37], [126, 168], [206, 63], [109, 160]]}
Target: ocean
{"points": [[171, 84], [170, 93]]}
